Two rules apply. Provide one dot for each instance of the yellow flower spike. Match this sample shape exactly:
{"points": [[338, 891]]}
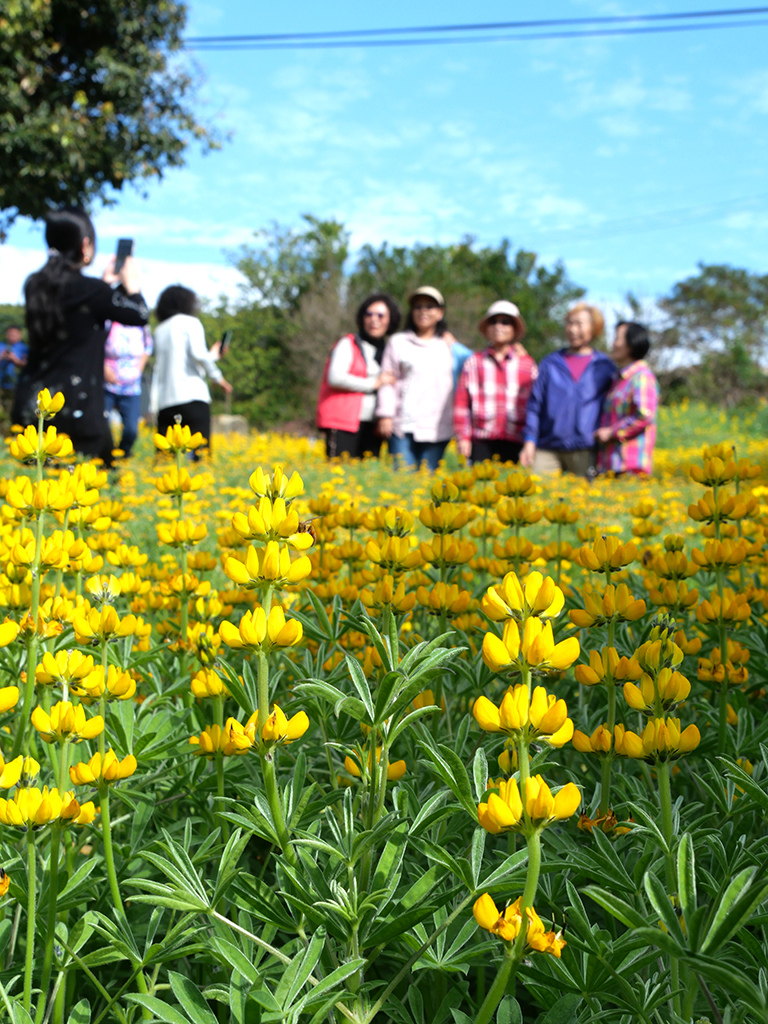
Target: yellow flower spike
{"points": [[542, 807], [32, 807], [66, 723], [229, 741], [543, 942], [119, 685], [444, 597], [395, 769], [206, 683], [503, 811], [714, 471], [279, 729], [11, 772], [598, 743], [63, 667], [176, 483], [104, 588], [276, 486], [549, 718], [9, 698], [48, 405], [535, 595], [539, 651], [178, 439], [606, 554], [499, 654], [110, 769], [102, 625], [517, 512], [267, 566], [505, 924]]}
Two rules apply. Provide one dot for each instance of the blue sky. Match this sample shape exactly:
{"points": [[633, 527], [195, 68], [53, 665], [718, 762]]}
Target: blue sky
{"points": [[630, 159]]}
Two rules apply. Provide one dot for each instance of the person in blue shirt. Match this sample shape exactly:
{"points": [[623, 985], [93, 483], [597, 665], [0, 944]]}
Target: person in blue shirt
{"points": [[564, 408], [13, 356]]}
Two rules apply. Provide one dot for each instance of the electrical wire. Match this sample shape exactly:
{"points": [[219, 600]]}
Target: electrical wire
{"points": [[556, 28]]}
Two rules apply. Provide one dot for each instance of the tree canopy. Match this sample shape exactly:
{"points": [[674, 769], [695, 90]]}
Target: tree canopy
{"points": [[92, 94]]}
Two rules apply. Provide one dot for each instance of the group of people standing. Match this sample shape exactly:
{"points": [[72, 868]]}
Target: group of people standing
{"points": [[578, 411], [89, 339]]}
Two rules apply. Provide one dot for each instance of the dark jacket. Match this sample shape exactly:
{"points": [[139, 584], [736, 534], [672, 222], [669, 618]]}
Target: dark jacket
{"points": [[563, 415]]}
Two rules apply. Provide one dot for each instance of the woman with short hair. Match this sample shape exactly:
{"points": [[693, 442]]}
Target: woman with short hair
{"points": [[182, 363], [566, 402], [494, 388], [627, 431], [346, 406]]}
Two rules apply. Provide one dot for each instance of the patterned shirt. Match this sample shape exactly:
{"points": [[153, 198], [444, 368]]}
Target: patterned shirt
{"points": [[125, 349], [491, 396], [629, 410]]}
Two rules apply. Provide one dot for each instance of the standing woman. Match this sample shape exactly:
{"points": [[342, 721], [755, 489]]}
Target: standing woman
{"points": [[567, 399], [416, 411], [182, 362], [66, 314], [346, 406], [494, 388], [627, 431]]}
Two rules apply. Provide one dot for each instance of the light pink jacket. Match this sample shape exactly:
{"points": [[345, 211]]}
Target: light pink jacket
{"points": [[420, 402]]}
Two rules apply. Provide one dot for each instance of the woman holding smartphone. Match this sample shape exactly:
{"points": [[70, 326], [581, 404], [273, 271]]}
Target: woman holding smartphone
{"points": [[182, 363], [66, 315]]}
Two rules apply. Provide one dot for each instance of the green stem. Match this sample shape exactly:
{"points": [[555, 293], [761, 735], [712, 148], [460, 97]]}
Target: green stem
{"points": [[53, 892], [498, 989], [30, 951], [33, 643], [667, 827], [533, 842], [605, 789], [109, 858], [276, 808]]}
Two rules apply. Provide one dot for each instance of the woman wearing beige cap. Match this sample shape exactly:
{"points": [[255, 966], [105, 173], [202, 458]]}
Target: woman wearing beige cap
{"points": [[493, 390], [416, 412]]}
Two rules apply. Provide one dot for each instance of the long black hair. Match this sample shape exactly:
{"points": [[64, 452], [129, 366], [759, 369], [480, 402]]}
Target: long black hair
{"points": [[65, 232], [176, 299], [392, 327]]}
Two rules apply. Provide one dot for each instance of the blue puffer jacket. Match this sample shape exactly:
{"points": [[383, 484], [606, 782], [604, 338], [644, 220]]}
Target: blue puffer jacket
{"points": [[563, 415]]}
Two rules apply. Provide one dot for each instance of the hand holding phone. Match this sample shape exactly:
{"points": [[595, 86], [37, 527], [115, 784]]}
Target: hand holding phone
{"points": [[226, 341], [123, 251]]}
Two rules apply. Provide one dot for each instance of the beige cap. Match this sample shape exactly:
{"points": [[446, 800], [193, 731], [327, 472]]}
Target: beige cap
{"points": [[504, 308], [432, 293]]}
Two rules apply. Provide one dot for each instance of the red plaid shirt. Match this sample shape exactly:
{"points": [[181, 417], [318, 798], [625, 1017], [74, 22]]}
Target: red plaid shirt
{"points": [[491, 397]]}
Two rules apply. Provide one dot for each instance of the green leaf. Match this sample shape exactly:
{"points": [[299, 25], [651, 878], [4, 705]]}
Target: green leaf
{"points": [[237, 959], [746, 782], [20, 1015], [164, 1012], [476, 853], [502, 873], [734, 910], [81, 1014], [391, 857], [509, 1011], [686, 883], [480, 773], [191, 999], [660, 902], [618, 908], [360, 683], [661, 940], [564, 1011], [332, 980]]}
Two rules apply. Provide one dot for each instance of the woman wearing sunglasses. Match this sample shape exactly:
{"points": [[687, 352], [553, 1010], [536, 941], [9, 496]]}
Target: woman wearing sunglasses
{"points": [[493, 390], [346, 407]]}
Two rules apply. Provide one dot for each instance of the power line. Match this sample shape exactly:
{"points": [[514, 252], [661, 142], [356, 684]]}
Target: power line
{"points": [[555, 28]]}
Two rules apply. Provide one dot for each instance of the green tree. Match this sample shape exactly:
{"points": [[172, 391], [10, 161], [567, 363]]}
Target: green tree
{"points": [[92, 95], [718, 325]]}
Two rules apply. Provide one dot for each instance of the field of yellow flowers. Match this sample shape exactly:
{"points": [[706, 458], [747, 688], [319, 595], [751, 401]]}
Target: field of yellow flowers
{"points": [[284, 741]]}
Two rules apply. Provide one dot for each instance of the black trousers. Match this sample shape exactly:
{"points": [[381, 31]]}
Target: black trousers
{"points": [[506, 451], [352, 444]]}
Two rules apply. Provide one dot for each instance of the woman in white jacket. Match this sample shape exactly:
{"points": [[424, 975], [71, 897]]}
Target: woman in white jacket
{"points": [[182, 362]]}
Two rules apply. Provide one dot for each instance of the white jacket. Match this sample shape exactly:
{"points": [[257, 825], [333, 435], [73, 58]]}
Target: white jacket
{"points": [[182, 362]]}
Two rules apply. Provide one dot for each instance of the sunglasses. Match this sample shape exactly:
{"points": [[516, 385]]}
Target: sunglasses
{"points": [[506, 320]]}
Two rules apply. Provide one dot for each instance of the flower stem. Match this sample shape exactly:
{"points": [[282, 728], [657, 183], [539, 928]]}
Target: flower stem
{"points": [[30, 952], [33, 643], [667, 827], [276, 808], [498, 989], [53, 892], [109, 858]]}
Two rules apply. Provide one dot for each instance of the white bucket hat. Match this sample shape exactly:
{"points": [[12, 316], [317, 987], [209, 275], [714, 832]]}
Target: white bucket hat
{"points": [[504, 308], [431, 293]]}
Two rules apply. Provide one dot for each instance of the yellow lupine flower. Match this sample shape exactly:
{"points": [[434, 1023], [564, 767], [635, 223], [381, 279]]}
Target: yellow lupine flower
{"points": [[598, 743], [446, 551], [395, 769], [272, 520], [607, 667], [714, 471], [181, 533], [536, 648], [606, 554], [388, 592], [118, 684], [535, 595], [516, 485], [543, 807], [176, 483], [24, 447], [445, 518], [504, 923], [108, 770], [396, 522], [9, 698], [104, 588], [178, 439], [48, 405], [276, 486], [255, 632], [5, 882], [230, 740], [66, 723], [270, 565], [724, 507], [11, 771], [32, 807], [9, 630], [207, 683], [98, 625], [732, 608], [502, 811], [394, 554], [278, 728], [545, 717], [671, 688], [517, 512], [662, 740], [444, 597], [613, 604], [63, 667]]}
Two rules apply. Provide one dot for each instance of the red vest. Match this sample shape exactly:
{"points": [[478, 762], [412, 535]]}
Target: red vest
{"points": [[340, 410]]}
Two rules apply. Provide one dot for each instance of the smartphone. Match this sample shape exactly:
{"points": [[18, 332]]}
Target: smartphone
{"points": [[226, 341], [123, 251]]}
